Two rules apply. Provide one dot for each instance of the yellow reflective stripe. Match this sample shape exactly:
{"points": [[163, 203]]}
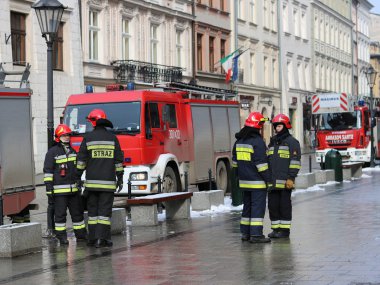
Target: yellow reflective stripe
{"points": [[234, 165], [80, 166], [270, 152], [254, 186], [48, 192], [284, 226], [79, 227], [263, 168], [101, 146], [60, 228], [246, 223], [280, 185], [245, 149], [91, 185], [283, 151], [119, 168], [295, 166], [92, 222], [284, 155], [65, 190], [256, 223], [63, 160], [48, 179], [275, 226], [245, 156], [104, 222]]}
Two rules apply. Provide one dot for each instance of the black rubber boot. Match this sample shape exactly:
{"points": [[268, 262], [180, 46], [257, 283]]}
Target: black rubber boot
{"points": [[245, 237], [91, 242], [99, 243], [63, 240], [284, 233], [274, 233], [259, 239], [108, 243]]}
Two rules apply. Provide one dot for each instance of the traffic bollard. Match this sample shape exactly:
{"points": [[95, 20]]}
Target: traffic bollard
{"points": [[1, 210], [333, 160], [236, 193], [209, 179], [309, 163], [159, 184], [186, 181]]}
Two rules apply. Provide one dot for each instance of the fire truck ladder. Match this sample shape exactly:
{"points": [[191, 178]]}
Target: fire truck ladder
{"points": [[198, 91], [24, 83]]}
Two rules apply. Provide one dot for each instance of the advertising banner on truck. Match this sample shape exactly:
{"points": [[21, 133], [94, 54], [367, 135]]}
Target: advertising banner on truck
{"points": [[331, 103]]}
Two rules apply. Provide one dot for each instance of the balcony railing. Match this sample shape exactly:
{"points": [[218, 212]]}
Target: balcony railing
{"points": [[138, 71]]}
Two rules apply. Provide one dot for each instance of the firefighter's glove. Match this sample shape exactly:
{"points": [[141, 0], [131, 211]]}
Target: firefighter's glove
{"points": [[289, 184], [119, 185], [270, 188], [79, 184], [49, 189]]}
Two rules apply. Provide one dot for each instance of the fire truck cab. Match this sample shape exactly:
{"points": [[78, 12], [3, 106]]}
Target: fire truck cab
{"points": [[165, 132]]}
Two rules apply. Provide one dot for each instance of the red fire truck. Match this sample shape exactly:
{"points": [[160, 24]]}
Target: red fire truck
{"points": [[17, 180], [165, 132], [343, 126]]}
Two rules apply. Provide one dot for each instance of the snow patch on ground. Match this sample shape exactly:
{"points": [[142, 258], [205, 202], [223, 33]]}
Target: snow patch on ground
{"points": [[372, 169]]}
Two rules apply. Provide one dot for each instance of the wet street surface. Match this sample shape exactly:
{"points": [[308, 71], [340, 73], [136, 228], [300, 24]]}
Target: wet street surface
{"points": [[335, 239]]}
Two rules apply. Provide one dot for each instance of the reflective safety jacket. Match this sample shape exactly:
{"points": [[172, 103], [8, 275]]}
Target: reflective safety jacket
{"points": [[100, 155], [59, 170], [284, 159], [249, 156]]}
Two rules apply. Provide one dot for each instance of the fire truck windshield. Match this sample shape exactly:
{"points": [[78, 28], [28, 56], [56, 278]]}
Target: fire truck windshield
{"points": [[340, 121], [125, 116]]}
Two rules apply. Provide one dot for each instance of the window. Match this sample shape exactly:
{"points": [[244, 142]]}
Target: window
{"points": [[222, 7], [316, 27], [285, 18], [93, 36], [153, 44], [307, 76], [240, 9], [211, 53], [210, 3], [290, 74], [199, 51], [303, 26], [274, 72], [252, 11], [273, 16], [266, 14], [317, 76], [172, 116], [253, 68], [266, 71], [179, 48], [58, 49], [222, 48], [296, 23], [154, 115], [126, 39], [300, 71], [18, 37]]}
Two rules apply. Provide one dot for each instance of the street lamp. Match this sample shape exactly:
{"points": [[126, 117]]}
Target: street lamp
{"points": [[371, 73], [49, 14]]}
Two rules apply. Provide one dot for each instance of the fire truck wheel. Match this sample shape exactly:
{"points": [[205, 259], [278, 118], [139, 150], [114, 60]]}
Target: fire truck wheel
{"points": [[221, 176], [171, 181]]}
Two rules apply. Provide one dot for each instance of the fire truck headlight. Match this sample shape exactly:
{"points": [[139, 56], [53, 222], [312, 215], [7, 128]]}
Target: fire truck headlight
{"points": [[139, 176]]}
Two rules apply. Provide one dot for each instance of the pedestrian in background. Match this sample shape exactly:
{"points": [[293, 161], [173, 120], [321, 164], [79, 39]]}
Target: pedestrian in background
{"points": [[249, 156], [63, 193], [284, 154], [100, 155]]}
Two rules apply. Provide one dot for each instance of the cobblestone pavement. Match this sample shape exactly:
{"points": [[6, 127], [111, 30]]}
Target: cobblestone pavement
{"points": [[335, 239]]}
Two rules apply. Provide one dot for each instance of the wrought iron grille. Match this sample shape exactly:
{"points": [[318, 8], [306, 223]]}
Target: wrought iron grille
{"points": [[138, 71]]}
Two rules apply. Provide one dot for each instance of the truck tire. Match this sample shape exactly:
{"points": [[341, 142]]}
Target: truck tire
{"points": [[170, 181], [221, 176]]}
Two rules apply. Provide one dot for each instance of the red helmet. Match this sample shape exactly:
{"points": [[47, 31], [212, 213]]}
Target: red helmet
{"points": [[281, 118], [61, 130], [255, 120], [95, 115]]}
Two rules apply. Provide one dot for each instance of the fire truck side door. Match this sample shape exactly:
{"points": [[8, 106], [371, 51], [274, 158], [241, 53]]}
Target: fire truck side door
{"points": [[154, 136]]}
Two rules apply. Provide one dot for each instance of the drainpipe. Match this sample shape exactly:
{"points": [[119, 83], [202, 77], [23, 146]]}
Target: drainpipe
{"points": [[280, 73], [193, 43]]}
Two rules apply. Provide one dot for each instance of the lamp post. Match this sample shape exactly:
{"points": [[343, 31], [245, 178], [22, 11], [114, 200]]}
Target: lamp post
{"points": [[49, 14], [371, 73]]}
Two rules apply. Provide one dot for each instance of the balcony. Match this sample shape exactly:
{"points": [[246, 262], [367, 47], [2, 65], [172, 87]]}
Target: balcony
{"points": [[138, 71]]}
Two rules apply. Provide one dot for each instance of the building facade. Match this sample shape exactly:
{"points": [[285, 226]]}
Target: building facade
{"points": [[255, 30], [142, 35], [297, 66], [23, 43]]}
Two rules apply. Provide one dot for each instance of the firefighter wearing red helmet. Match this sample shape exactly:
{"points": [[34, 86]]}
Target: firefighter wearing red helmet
{"points": [[284, 155], [100, 155], [250, 160], [63, 193]]}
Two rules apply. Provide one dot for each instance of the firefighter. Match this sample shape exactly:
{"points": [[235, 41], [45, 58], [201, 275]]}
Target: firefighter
{"points": [[59, 178], [249, 156], [100, 155], [284, 155]]}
